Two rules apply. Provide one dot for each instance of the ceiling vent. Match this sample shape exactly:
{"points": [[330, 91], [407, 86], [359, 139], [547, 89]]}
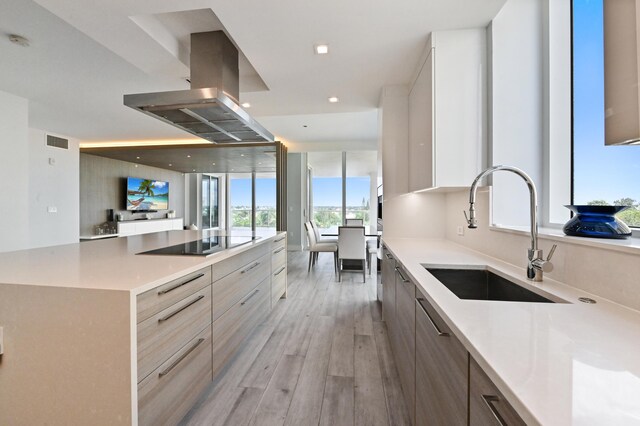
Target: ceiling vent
{"points": [[57, 142]]}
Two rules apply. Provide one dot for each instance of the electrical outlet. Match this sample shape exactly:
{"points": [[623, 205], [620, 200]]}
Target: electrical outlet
{"points": [[52, 209], [460, 230]]}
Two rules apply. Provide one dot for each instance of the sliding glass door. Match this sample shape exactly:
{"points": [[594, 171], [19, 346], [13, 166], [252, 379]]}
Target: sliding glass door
{"points": [[240, 202], [326, 190], [210, 202]]}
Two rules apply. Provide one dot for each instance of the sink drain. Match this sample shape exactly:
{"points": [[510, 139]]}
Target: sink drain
{"points": [[586, 300]]}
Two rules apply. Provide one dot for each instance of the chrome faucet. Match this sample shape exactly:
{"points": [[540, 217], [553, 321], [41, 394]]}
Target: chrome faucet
{"points": [[537, 264]]}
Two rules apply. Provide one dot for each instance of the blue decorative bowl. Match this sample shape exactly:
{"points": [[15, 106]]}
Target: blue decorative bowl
{"points": [[596, 221]]}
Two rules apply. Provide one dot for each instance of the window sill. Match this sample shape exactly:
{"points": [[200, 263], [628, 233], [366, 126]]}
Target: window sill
{"points": [[630, 245]]}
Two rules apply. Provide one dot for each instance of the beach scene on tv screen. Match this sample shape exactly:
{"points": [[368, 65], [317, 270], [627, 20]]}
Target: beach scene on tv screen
{"points": [[147, 194]]}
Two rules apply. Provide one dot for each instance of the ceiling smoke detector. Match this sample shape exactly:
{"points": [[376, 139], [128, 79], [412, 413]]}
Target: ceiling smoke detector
{"points": [[19, 40]]}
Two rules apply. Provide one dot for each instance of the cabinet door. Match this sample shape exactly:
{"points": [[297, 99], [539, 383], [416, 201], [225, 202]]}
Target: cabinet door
{"points": [[441, 371], [487, 406], [388, 287], [404, 345], [421, 168]]}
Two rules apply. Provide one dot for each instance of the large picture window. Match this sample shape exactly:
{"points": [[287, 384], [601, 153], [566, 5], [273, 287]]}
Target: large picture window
{"points": [[601, 174]]}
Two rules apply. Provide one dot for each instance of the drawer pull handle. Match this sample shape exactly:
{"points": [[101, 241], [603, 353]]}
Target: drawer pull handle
{"points": [[250, 296], [166, 317], [179, 360], [404, 280], [489, 400], [440, 333], [279, 250], [389, 256], [280, 239], [250, 268], [281, 269], [167, 290]]}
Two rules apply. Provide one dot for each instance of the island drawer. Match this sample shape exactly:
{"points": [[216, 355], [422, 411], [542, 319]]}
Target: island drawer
{"points": [[279, 241], [238, 261], [230, 289], [166, 395], [237, 323], [163, 334], [153, 301], [278, 283], [278, 257]]}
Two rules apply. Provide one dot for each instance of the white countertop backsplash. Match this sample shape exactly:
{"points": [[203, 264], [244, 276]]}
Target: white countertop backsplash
{"points": [[558, 364]]}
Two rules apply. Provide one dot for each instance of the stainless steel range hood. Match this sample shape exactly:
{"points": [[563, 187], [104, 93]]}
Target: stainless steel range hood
{"points": [[210, 109]]}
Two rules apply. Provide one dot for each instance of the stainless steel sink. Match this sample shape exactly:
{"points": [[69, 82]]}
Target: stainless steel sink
{"points": [[481, 284]]}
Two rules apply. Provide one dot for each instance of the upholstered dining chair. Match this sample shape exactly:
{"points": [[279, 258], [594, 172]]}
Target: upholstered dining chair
{"points": [[354, 222], [319, 238], [351, 246], [315, 247]]}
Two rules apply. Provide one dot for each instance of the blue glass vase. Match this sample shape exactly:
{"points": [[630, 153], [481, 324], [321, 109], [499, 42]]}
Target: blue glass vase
{"points": [[596, 221]]}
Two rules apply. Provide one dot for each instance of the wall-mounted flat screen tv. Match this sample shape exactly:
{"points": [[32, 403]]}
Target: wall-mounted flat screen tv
{"points": [[147, 194]]}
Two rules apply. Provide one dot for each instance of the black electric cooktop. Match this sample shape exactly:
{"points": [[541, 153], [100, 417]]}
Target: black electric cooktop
{"points": [[203, 247]]}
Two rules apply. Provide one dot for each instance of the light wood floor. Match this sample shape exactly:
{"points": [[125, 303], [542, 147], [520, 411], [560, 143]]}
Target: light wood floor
{"points": [[321, 358]]}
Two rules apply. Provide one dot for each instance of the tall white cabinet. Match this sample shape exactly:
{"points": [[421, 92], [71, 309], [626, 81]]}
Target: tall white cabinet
{"points": [[448, 111]]}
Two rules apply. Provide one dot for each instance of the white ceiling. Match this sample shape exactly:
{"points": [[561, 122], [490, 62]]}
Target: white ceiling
{"points": [[85, 55]]}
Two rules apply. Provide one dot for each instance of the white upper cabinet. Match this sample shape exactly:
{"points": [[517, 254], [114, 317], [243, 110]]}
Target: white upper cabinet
{"points": [[448, 111]]}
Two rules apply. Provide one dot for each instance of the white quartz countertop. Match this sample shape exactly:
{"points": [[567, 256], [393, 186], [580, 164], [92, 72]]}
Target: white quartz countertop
{"points": [[557, 363], [111, 264]]}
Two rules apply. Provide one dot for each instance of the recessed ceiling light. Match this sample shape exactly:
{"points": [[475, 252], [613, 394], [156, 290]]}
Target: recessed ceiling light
{"points": [[241, 155], [213, 164], [135, 165], [259, 163], [321, 49], [246, 105], [231, 169], [188, 156], [334, 99], [170, 164], [137, 158], [194, 170], [19, 40]]}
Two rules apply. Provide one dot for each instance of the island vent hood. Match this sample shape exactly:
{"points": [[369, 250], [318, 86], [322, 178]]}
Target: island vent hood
{"points": [[210, 108]]}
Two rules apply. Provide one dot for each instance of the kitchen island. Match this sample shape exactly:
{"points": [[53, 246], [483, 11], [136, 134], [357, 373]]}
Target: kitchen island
{"points": [[563, 363], [95, 333]]}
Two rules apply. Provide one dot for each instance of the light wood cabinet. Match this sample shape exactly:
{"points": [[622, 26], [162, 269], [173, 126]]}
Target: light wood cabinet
{"points": [[278, 269], [166, 395], [233, 326], [229, 290], [441, 370], [447, 111], [163, 334], [388, 278], [404, 343], [487, 405]]}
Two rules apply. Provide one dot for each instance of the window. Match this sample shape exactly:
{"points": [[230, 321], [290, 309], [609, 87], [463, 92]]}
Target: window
{"points": [[601, 174], [265, 212], [240, 202], [210, 202], [341, 186]]}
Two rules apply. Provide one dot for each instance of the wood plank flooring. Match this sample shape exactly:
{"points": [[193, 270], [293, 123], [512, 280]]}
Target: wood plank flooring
{"points": [[322, 357]]}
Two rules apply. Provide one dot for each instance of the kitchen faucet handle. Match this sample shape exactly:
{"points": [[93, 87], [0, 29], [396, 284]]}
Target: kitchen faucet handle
{"points": [[553, 250]]}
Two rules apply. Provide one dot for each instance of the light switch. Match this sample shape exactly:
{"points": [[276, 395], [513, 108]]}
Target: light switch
{"points": [[460, 230], [52, 209]]}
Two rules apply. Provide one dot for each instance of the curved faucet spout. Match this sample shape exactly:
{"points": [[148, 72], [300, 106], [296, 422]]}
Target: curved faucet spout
{"points": [[533, 199], [536, 263]]}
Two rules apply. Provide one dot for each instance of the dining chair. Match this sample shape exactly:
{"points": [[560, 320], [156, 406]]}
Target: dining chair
{"points": [[354, 222], [351, 246], [315, 247], [372, 252], [319, 238]]}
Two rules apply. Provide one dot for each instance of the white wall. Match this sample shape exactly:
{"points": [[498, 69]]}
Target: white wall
{"points": [[53, 185], [14, 173], [516, 57]]}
